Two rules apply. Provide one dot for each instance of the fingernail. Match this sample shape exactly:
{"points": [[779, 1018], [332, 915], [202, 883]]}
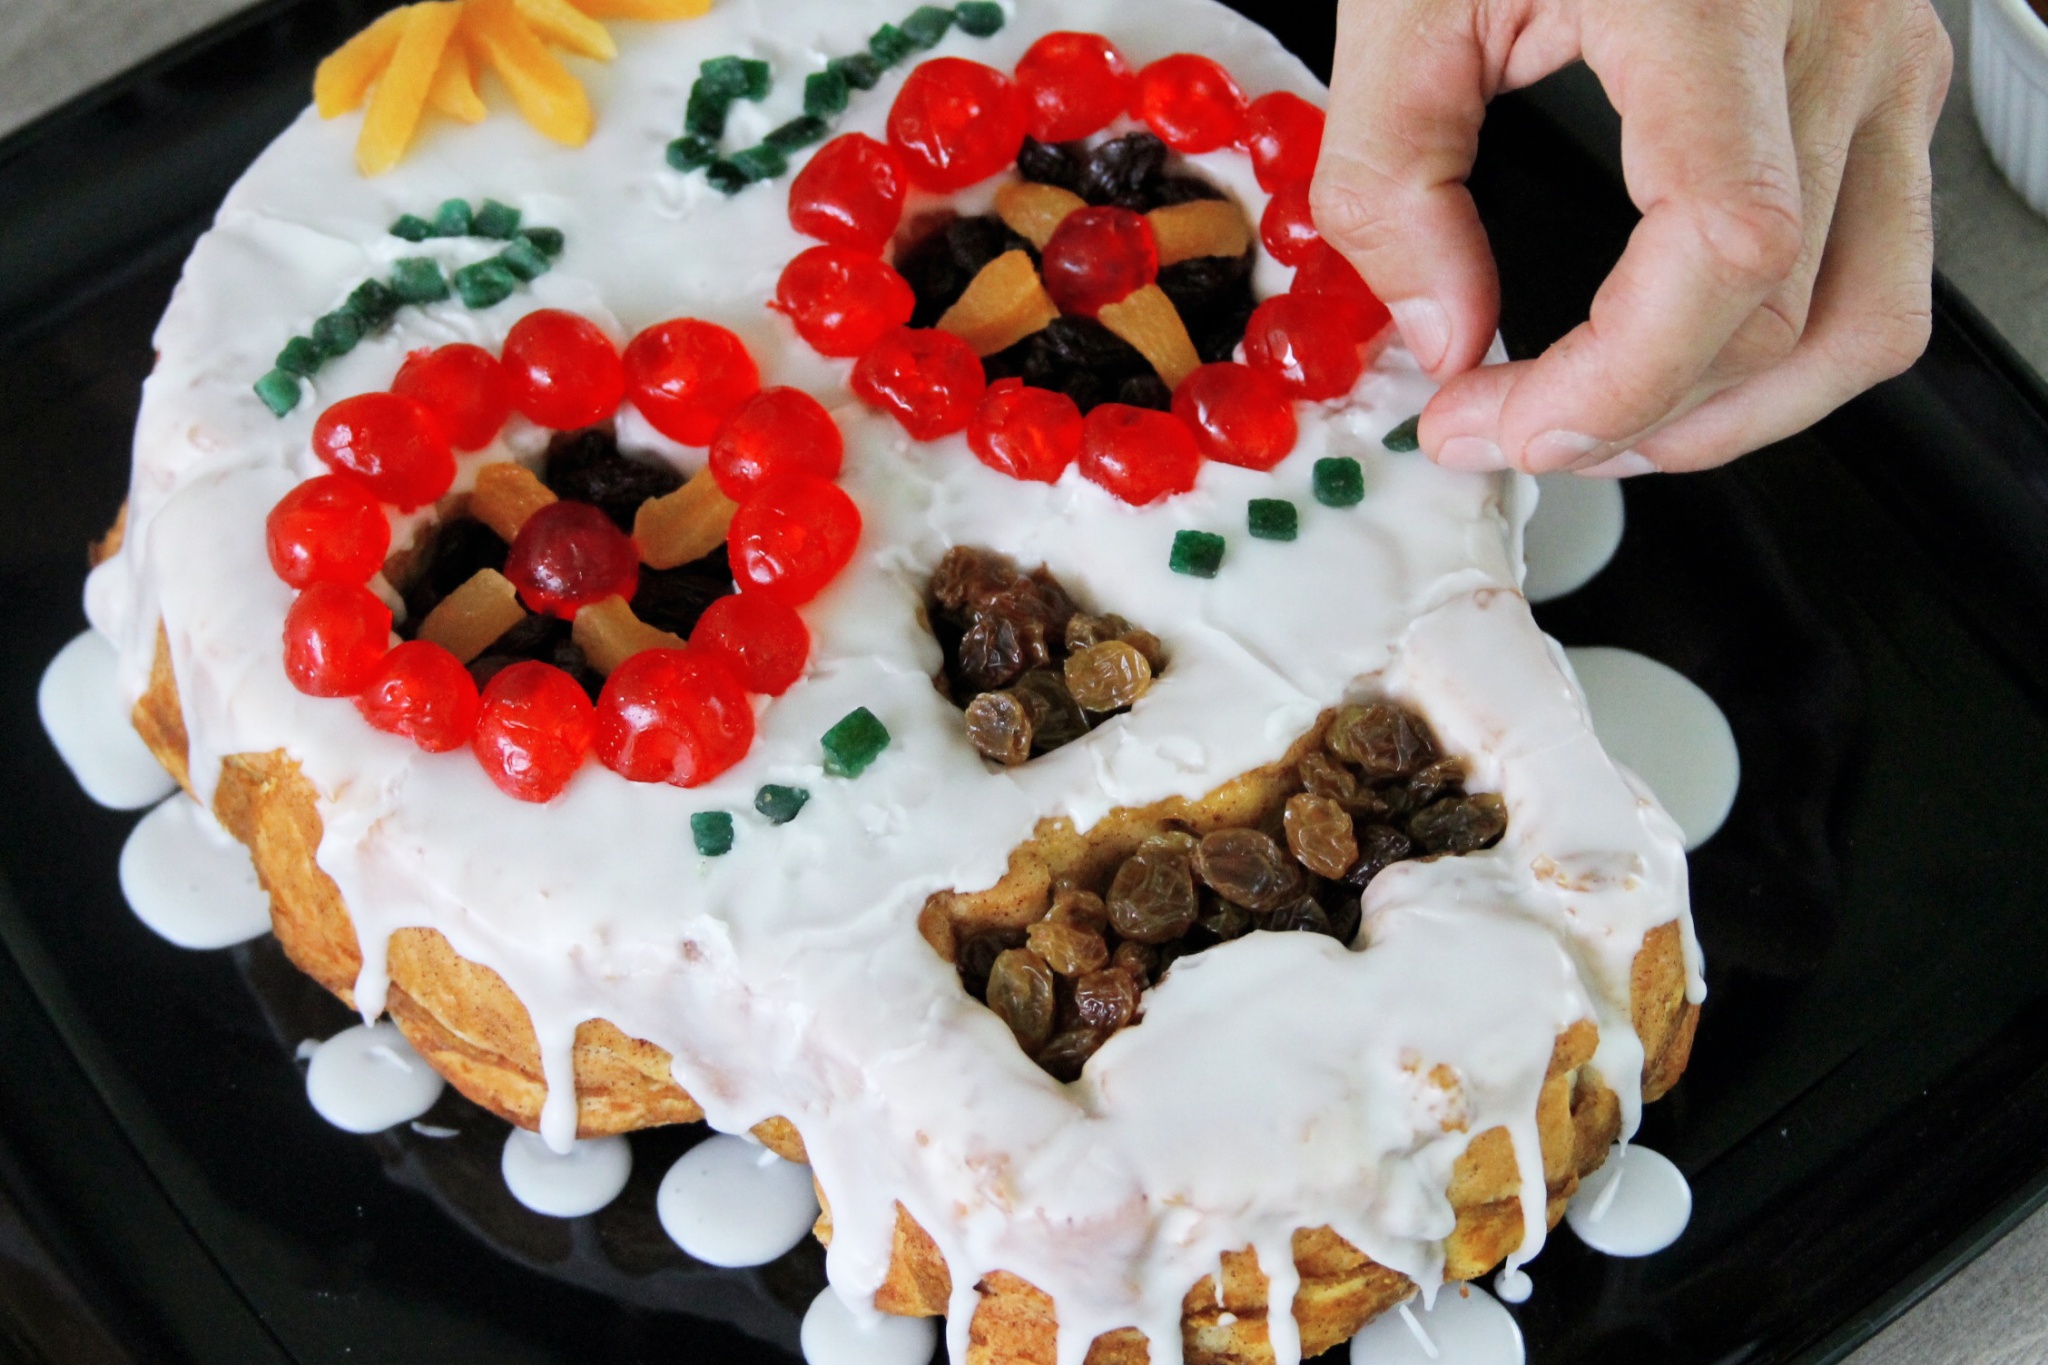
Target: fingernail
{"points": [[1425, 327], [1555, 450], [1626, 465], [1470, 455]]}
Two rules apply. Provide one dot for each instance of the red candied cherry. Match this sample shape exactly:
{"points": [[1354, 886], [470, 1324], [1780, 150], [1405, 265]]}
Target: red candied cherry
{"points": [[1027, 433], [929, 381], [850, 194], [1138, 454], [1098, 256], [841, 300], [1073, 84], [327, 530], [393, 444], [1286, 228], [1284, 134], [687, 377], [425, 694], [569, 555], [564, 371], [464, 387], [956, 123], [1309, 346], [764, 640], [532, 731], [792, 538], [777, 431], [1191, 103], [1325, 273], [678, 716], [1239, 415], [335, 635]]}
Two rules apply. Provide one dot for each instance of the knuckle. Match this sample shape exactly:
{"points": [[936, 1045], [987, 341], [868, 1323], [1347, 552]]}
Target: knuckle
{"points": [[1755, 233]]}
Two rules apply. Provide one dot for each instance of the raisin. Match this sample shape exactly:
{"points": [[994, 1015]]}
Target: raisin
{"points": [[1152, 899], [1320, 835], [1141, 960], [1067, 950], [1046, 163], [1108, 999], [1085, 344], [673, 599], [1065, 1056], [1107, 677], [1325, 776], [1383, 740], [1460, 824], [1379, 848], [1223, 920], [940, 265], [1081, 909], [456, 552], [1344, 916], [1123, 172], [976, 956], [1056, 718], [1084, 630], [1302, 916], [1145, 391], [999, 727], [1020, 991], [588, 466], [991, 655], [968, 578], [1204, 283], [1247, 868], [1181, 189], [1445, 777], [568, 656]]}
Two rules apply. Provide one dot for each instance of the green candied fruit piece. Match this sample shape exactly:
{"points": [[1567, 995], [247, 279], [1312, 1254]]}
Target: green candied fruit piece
{"points": [[374, 302], [927, 26], [980, 18], [726, 177], [723, 77], [854, 743], [861, 70], [337, 333], [712, 832], [825, 93], [797, 134], [546, 240], [761, 162], [412, 228], [1402, 440], [523, 259], [1198, 554], [890, 45], [300, 357], [1339, 482], [780, 804], [485, 283], [704, 116], [759, 80], [499, 222], [691, 152], [279, 391], [417, 279], [453, 219], [1273, 519]]}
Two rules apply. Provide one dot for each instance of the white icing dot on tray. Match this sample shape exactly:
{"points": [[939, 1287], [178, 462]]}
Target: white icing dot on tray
{"points": [[1636, 1204], [189, 881], [565, 1184], [1513, 1286], [367, 1078], [1467, 1327], [1661, 726], [832, 1335], [1576, 529], [729, 1202], [87, 722]]}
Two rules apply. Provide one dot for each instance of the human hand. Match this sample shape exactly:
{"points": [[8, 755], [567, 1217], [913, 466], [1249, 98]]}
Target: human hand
{"points": [[1783, 263]]}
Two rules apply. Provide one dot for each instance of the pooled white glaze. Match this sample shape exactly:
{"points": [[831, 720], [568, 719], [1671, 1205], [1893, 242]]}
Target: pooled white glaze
{"points": [[729, 1201], [1665, 729], [1636, 1204], [367, 1078], [834, 1335], [1466, 1326], [190, 881], [1574, 533], [565, 1184], [1513, 1286], [1276, 1082], [84, 710]]}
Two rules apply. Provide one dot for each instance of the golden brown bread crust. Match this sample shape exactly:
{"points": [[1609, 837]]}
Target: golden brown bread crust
{"points": [[474, 1031]]}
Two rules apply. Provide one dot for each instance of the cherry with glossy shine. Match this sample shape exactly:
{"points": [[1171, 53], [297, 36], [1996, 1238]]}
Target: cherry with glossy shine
{"points": [[929, 381], [687, 376], [1286, 228], [329, 529], [533, 730], [1026, 432], [1311, 348], [1284, 134], [392, 443], [569, 555], [1073, 84], [956, 123], [423, 693], [778, 431], [792, 537], [464, 387], [1191, 102], [678, 716], [1238, 415], [1325, 273], [1138, 454], [764, 640], [850, 193], [335, 636], [563, 370], [1099, 256], [843, 301]]}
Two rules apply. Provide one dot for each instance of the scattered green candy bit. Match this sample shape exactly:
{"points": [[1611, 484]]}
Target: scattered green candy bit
{"points": [[758, 79], [417, 279], [374, 303], [797, 134], [712, 831], [337, 333], [780, 804], [726, 177], [1198, 554], [1339, 482], [412, 228], [523, 259], [704, 116], [453, 219], [1402, 440], [861, 70], [300, 357], [500, 222], [825, 93], [723, 78], [1273, 519], [485, 283], [690, 152], [927, 26], [980, 18], [890, 45], [279, 391], [854, 743], [546, 240]]}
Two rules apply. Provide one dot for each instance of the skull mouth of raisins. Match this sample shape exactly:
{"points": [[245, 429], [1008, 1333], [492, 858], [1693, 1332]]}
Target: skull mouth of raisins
{"points": [[1368, 787]]}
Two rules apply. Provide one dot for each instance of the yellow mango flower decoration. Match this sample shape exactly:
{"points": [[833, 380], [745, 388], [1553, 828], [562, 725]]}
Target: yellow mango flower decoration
{"points": [[428, 56]]}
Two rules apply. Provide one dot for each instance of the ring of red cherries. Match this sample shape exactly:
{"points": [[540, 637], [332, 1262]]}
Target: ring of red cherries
{"points": [[958, 122], [680, 716]]}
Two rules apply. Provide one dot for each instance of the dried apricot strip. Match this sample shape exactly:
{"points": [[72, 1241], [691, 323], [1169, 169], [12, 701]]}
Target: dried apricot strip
{"points": [[454, 91], [654, 11], [1034, 211], [1149, 321], [347, 73], [401, 95], [685, 525], [506, 495], [609, 633], [550, 98], [1201, 227], [569, 28], [1003, 304], [470, 619]]}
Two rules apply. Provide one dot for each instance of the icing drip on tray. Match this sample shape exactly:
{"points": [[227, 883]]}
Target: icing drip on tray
{"points": [[189, 881], [367, 1078], [1637, 1204], [731, 1202], [565, 1184]]}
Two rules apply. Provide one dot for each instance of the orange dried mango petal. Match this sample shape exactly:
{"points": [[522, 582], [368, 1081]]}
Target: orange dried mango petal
{"points": [[654, 11], [562, 24], [1202, 227], [506, 495], [347, 73], [470, 619], [609, 633], [1004, 303], [685, 525], [1149, 321], [454, 91], [1033, 211], [401, 95], [551, 99]]}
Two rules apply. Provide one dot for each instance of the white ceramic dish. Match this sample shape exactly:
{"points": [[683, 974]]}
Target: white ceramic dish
{"points": [[2009, 86]]}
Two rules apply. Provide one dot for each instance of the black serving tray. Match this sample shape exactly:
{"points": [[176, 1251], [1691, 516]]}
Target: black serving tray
{"points": [[1866, 1109]]}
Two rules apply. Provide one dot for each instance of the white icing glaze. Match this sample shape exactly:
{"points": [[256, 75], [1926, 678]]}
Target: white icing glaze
{"points": [[189, 881], [84, 710], [1574, 532], [1636, 1204], [1664, 728], [1513, 1286], [788, 977], [565, 1184], [730, 1201], [834, 1334], [1466, 1326], [367, 1078]]}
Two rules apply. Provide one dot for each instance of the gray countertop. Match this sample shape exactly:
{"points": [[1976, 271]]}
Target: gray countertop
{"points": [[1995, 1312]]}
